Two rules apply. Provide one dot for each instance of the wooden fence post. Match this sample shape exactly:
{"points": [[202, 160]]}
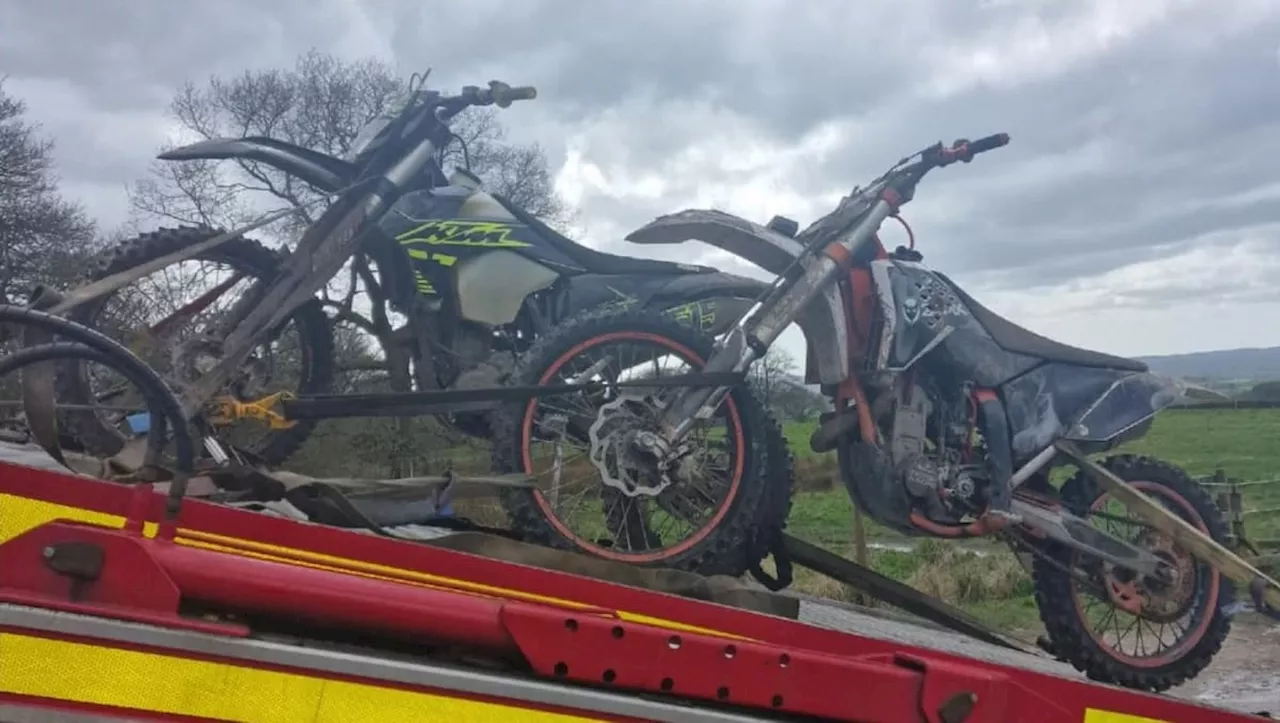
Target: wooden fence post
{"points": [[1237, 512], [860, 551], [1219, 482]]}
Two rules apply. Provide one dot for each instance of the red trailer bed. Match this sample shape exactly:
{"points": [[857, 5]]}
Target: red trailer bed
{"points": [[105, 614]]}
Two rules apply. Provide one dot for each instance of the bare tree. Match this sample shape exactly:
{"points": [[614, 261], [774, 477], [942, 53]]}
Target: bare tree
{"points": [[41, 234], [770, 372], [775, 380], [320, 104]]}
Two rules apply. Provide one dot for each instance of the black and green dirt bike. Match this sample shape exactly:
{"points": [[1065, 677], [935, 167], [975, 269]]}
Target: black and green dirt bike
{"points": [[478, 279]]}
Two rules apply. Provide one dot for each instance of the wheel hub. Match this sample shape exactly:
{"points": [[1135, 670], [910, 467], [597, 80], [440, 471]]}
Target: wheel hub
{"points": [[197, 355], [1169, 600], [1158, 598], [613, 450]]}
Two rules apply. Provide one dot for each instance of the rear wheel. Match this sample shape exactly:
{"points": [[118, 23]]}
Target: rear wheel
{"points": [[1117, 627], [591, 494], [297, 358]]}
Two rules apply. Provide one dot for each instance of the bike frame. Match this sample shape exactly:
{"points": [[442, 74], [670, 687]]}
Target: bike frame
{"points": [[335, 237]]}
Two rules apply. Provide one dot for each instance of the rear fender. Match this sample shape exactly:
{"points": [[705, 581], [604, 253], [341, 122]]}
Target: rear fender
{"points": [[822, 321], [325, 173], [733, 296]]}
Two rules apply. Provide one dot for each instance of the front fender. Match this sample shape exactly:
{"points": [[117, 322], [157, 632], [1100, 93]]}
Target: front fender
{"points": [[326, 173], [822, 321]]}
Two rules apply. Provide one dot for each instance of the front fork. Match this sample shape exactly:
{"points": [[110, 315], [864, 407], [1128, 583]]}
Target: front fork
{"points": [[752, 336], [319, 256]]}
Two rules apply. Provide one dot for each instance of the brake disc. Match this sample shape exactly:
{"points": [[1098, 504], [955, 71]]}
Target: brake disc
{"points": [[612, 452]]}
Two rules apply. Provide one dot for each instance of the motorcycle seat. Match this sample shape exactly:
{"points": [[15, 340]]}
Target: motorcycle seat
{"points": [[599, 262], [1018, 340]]}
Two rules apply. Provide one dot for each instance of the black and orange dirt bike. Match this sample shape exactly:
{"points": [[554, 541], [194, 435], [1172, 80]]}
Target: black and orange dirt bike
{"points": [[948, 423]]}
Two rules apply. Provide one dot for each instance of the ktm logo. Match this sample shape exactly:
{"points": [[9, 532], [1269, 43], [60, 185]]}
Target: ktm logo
{"points": [[484, 234]]}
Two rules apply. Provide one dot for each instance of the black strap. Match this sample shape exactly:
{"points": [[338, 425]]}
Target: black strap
{"points": [[771, 544], [1258, 591], [339, 504]]}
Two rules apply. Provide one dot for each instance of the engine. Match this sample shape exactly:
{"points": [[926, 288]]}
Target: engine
{"points": [[933, 454]]}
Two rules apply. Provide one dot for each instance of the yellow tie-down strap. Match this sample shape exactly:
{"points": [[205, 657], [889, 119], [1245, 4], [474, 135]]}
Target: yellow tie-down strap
{"points": [[97, 675], [20, 514]]}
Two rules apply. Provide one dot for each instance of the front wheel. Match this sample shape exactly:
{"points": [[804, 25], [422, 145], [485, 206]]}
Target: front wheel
{"points": [[592, 494], [1119, 628]]}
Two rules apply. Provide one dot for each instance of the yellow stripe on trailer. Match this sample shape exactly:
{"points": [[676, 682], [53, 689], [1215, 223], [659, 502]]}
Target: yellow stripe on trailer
{"points": [[103, 676], [20, 514], [1093, 715]]}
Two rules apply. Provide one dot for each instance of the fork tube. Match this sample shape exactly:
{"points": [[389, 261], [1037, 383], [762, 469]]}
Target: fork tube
{"points": [[319, 256], [746, 343], [772, 319], [752, 337]]}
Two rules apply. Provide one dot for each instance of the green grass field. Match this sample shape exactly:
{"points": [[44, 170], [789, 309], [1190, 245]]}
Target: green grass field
{"points": [[1245, 444]]}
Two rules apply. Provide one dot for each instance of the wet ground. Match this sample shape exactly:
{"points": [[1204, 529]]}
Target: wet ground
{"points": [[1245, 675]]}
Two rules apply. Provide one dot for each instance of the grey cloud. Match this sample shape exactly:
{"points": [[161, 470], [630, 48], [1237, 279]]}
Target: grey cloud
{"points": [[1188, 128], [1185, 122], [99, 77], [786, 66]]}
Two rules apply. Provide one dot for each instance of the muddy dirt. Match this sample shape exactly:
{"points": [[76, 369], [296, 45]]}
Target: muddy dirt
{"points": [[1245, 676]]}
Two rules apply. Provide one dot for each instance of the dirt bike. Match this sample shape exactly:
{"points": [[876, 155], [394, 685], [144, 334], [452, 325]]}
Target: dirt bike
{"points": [[948, 422], [478, 278]]}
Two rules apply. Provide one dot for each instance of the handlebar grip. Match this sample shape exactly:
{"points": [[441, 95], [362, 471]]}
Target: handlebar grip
{"points": [[522, 92], [503, 95], [990, 143]]}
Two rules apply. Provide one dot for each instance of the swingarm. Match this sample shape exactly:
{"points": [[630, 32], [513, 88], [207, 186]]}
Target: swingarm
{"points": [[1264, 590], [1066, 528]]}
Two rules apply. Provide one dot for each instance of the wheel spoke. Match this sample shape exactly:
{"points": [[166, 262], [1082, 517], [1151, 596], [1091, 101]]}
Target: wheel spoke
{"points": [[619, 495], [1136, 630]]}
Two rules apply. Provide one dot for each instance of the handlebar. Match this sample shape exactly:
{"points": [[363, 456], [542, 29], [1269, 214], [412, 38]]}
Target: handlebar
{"points": [[504, 95], [893, 188], [498, 93], [905, 177], [965, 150]]}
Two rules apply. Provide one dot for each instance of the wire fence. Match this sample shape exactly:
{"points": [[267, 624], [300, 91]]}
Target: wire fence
{"points": [[1195, 405], [1252, 510]]}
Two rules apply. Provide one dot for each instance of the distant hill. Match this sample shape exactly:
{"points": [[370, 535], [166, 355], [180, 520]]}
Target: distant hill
{"points": [[1228, 364]]}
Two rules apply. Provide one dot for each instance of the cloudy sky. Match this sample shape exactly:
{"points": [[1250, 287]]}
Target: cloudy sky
{"points": [[1136, 210]]}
